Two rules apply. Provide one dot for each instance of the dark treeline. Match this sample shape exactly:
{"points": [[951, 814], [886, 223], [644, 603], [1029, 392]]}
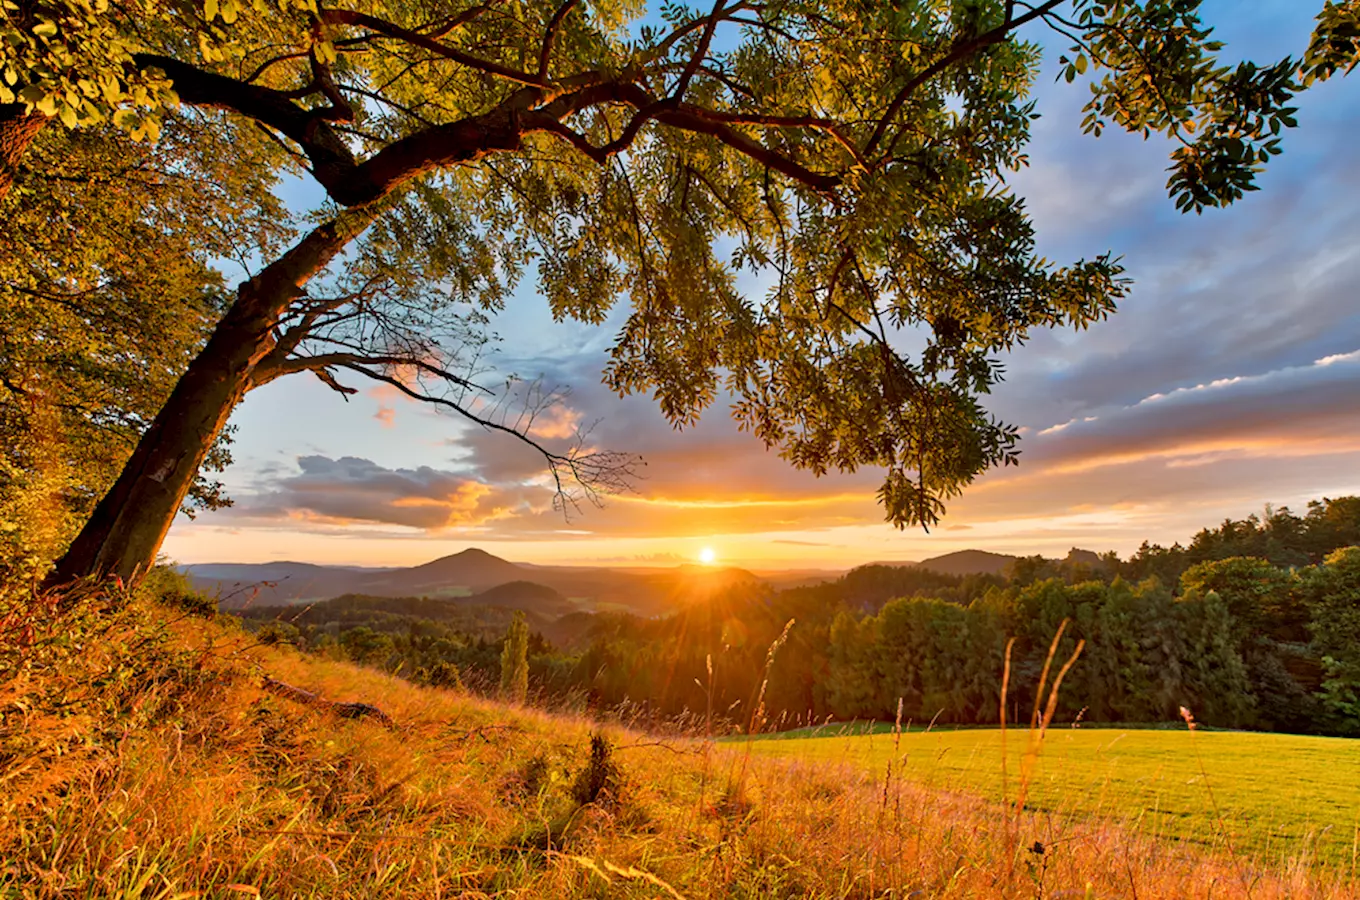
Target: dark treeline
{"points": [[1256, 624]]}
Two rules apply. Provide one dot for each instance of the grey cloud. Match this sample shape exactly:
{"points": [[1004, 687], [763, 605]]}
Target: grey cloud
{"points": [[339, 491], [1266, 284], [1280, 413]]}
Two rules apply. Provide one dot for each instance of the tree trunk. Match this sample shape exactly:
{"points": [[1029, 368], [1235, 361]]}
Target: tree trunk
{"points": [[18, 128], [125, 532]]}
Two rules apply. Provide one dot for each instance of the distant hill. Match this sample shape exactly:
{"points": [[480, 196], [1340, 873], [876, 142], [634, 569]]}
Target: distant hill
{"points": [[961, 562], [525, 595], [472, 576], [969, 562], [397, 614], [476, 577], [1090, 558], [473, 569], [267, 584]]}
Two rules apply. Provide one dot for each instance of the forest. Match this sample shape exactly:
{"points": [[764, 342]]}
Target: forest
{"points": [[1255, 624]]}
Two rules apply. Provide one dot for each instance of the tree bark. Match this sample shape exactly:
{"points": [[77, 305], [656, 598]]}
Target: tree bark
{"points": [[125, 532], [17, 130]]}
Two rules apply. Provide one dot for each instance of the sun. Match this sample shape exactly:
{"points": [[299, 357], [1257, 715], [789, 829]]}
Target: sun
{"points": [[707, 556]]}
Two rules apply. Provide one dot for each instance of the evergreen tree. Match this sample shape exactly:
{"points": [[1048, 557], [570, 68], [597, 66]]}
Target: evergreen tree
{"points": [[1332, 592], [515, 661]]}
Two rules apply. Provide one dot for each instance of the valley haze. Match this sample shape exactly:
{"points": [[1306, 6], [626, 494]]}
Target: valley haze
{"points": [[472, 575]]}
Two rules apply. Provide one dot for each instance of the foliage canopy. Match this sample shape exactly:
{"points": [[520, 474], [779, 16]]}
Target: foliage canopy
{"points": [[804, 203]]}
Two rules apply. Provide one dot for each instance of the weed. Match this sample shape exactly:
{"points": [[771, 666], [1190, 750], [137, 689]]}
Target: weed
{"points": [[599, 780]]}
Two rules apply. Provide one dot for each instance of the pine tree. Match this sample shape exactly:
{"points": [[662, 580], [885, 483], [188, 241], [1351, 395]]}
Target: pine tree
{"points": [[515, 661]]}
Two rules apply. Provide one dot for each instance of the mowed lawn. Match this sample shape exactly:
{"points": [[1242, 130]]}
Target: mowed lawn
{"points": [[1279, 796]]}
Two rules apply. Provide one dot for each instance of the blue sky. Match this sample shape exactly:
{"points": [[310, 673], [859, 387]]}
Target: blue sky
{"points": [[1230, 378]]}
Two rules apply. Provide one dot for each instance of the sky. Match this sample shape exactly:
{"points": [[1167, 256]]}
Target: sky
{"points": [[1229, 379]]}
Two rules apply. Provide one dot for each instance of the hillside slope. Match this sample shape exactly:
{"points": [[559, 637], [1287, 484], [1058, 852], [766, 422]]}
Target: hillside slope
{"points": [[154, 763]]}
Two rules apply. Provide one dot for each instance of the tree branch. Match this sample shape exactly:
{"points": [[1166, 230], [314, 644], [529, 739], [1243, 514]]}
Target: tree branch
{"points": [[595, 472], [700, 52], [549, 35], [958, 52], [415, 38], [273, 370]]}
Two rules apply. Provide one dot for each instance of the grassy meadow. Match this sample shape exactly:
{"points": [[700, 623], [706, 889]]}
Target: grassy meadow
{"points": [[143, 755], [1267, 797]]}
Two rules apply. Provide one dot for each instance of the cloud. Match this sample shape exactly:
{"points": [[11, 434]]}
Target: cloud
{"points": [[1295, 411], [556, 422], [329, 492]]}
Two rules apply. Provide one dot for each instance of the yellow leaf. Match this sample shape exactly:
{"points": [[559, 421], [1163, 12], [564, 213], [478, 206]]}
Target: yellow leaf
{"points": [[210, 10]]}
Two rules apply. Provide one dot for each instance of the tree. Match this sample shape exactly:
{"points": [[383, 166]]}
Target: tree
{"points": [[73, 61], [1332, 524], [854, 157], [1256, 594], [1219, 682], [1332, 592], [94, 329], [515, 661]]}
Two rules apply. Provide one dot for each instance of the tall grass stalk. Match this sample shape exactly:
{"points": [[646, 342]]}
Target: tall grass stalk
{"points": [[757, 720], [1038, 728], [1001, 717]]}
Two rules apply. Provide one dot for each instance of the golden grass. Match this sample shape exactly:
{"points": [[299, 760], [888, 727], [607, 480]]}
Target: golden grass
{"points": [[170, 773]]}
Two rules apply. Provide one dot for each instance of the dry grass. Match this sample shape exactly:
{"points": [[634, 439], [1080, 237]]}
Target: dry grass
{"points": [[148, 762]]}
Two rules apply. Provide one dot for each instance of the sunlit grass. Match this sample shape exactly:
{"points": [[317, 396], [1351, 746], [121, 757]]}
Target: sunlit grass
{"points": [[171, 773], [1279, 796]]}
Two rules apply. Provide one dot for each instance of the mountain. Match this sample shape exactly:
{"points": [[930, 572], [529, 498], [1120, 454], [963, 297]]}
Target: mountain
{"points": [[960, 562], [242, 584], [969, 562], [1077, 556], [472, 576], [473, 569], [476, 577]]}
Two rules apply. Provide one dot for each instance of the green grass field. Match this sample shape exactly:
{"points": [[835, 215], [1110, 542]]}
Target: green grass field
{"points": [[1277, 796]]}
